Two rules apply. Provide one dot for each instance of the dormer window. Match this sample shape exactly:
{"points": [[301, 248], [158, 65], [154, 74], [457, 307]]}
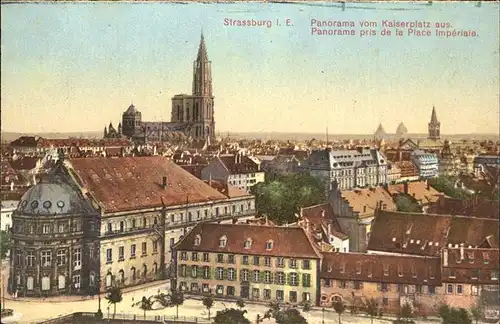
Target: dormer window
{"points": [[413, 271], [358, 267], [471, 257], [223, 241], [386, 270], [248, 243], [269, 245], [197, 240], [453, 273]]}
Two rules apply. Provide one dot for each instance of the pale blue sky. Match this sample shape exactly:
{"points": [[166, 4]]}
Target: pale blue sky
{"points": [[77, 66]]}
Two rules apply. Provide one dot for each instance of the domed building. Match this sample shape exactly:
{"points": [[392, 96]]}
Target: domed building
{"points": [[401, 131], [380, 132], [54, 241]]}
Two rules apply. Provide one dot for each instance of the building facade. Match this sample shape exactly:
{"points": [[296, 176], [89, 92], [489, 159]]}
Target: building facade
{"points": [[427, 164], [117, 220], [248, 262], [236, 170], [349, 168], [192, 116]]}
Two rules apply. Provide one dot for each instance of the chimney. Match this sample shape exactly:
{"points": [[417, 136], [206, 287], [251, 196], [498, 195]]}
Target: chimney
{"points": [[164, 183], [210, 179], [405, 186], [462, 252], [445, 257], [12, 186], [329, 229]]}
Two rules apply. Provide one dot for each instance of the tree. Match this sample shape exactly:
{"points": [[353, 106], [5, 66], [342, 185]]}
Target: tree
{"points": [[451, 315], [208, 302], [146, 304], [339, 308], [231, 316], [290, 316], [446, 185], [371, 308], [282, 196], [407, 204], [477, 313], [114, 296], [177, 299], [405, 313], [240, 303], [4, 244]]}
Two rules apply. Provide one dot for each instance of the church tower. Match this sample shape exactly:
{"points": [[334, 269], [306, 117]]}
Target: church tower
{"points": [[203, 99], [434, 126]]}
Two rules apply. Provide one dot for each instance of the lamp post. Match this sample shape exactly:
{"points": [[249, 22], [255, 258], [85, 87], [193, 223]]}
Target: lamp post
{"points": [[323, 315], [99, 311]]}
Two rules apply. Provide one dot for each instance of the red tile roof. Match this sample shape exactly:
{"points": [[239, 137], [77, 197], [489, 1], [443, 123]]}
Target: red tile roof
{"points": [[427, 234], [365, 201], [418, 190], [287, 241], [408, 169], [35, 141], [395, 269], [476, 267], [322, 215], [243, 165], [474, 206], [130, 183]]}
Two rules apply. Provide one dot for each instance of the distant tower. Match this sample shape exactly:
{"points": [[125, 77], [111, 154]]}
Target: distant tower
{"points": [[131, 121], [380, 132], [434, 126], [401, 131], [203, 98]]}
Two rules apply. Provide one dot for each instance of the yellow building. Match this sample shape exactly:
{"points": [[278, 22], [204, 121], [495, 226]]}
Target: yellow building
{"points": [[251, 262]]}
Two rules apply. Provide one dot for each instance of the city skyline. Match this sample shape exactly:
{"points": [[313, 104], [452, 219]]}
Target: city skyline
{"points": [[78, 66]]}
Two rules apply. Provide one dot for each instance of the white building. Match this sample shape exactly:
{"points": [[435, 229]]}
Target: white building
{"points": [[8, 206], [235, 170]]}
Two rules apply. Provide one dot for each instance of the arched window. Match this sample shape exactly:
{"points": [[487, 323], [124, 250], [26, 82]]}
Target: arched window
{"points": [[109, 280]]}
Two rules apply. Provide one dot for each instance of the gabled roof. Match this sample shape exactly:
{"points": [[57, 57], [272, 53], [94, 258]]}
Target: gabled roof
{"points": [[322, 215], [238, 164], [427, 234], [133, 183], [365, 201], [419, 190], [291, 242], [394, 269]]}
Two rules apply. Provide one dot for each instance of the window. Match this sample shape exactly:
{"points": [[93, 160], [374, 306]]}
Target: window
{"points": [[306, 280], [30, 283], [386, 270], [132, 251], [244, 260], [327, 282], [194, 271], [220, 258], [385, 301], [280, 262], [194, 287], [61, 258], [432, 290], [306, 297], [121, 253], [449, 289], [110, 228], [256, 276], [267, 276], [306, 265], [155, 246], [267, 261], [342, 284], [172, 242], [293, 263], [223, 242], [230, 290], [46, 228], [46, 258], [230, 259], [248, 243], [269, 245], [452, 273], [194, 256], [280, 295], [182, 271], [122, 226], [474, 290], [293, 296], [255, 293], [494, 275], [244, 275], [293, 279], [474, 274], [60, 228], [77, 258], [205, 257], [267, 294], [220, 273], [342, 267], [358, 285], [219, 290], [109, 255], [256, 260], [144, 248], [459, 289], [206, 272], [231, 274], [30, 258], [280, 278]]}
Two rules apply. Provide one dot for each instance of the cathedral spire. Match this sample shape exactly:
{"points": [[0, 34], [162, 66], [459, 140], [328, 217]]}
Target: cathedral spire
{"points": [[434, 119], [202, 74], [434, 126]]}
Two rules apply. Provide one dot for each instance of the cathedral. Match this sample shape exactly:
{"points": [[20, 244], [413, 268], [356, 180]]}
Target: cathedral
{"points": [[192, 116]]}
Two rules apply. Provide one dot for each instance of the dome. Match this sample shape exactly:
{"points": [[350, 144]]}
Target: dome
{"points": [[51, 198], [401, 130]]}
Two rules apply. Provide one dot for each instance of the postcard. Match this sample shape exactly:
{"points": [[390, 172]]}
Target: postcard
{"points": [[250, 162]]}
